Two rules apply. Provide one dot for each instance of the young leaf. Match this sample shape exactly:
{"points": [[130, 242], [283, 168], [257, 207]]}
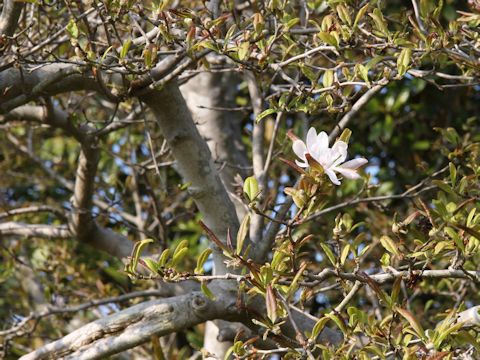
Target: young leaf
{"points": [[162, 260], [201, 260], [414, 323], [360, 15], [72, 29], [151, 265], [344, 254], [208, 293], [271, 303], [345, 136], [265, 114], [125, 48], [453, 173], [328, 78], [329, 253], [318, 327], [250, 188], [137, 249], [242, 233], [389, 245], [177, 256], [293, 286], [180, 246], [403, 61]]}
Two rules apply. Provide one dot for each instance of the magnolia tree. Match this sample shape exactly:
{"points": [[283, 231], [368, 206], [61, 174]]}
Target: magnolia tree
{"points": [[175, 180]]}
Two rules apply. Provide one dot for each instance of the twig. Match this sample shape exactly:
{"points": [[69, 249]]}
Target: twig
{"points": [[342, 124]]}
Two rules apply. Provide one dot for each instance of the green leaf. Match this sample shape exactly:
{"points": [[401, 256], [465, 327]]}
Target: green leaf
{"points": [[453, 173], [271, 303], [162, 260], [201, 260], [182, 244], [243, 50], [403, 61], [72, 29], [412, 320], [265, 113], [250, 188], [389, 245], [208, 293], [344, 254], [329, 254], [106, 53], [360, 15], [379, 21], [242, 233], [328, 38], [442, 185], [319, 326], [328, 78], [343, 14], [177, 256], [362, 71], [339, 322], [294, 285], [137, 249], [125, 48], [455, 237], [152, 265]]}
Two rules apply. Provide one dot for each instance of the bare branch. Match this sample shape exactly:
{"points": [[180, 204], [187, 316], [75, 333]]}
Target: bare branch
{"points": [[40, 230], [364, 99], [33, 209], [258, 155]]}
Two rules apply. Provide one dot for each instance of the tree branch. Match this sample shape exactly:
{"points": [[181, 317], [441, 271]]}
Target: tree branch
{"points": [[258, 154], [365, 98], [134, 326], [194, 163], [37, 230], [9, 18]]}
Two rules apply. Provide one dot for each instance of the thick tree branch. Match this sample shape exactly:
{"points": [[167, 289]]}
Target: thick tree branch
{"points": [[134, 326], [221, 130], [23, 84], [9, 18], [194, 163]]}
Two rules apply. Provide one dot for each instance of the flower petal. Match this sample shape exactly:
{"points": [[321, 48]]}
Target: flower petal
{"points": [[311, 138], [354, 163], [332, 176], [338, 153], [299, 149], [320, 147], [322, 141], [348, 173]]}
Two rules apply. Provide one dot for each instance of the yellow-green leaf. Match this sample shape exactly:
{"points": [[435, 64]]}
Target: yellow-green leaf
{"points": [[208, 293], [242, 233], [412, 320], [201, 260], [250, 188], [389, 245]]}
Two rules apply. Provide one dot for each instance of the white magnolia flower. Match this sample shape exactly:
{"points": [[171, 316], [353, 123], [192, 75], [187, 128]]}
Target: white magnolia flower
{"points": [[331, 159]]}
